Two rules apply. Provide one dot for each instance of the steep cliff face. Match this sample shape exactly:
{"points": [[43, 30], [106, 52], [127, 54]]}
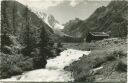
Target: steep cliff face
{"points": [[49, 19], [112, 19]]}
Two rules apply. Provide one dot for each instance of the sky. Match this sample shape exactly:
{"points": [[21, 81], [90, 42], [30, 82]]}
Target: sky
{"points": [[65, 10]]}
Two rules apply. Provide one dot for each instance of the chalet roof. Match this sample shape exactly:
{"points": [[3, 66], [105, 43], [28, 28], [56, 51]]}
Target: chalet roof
{"points": [[99, 34]]}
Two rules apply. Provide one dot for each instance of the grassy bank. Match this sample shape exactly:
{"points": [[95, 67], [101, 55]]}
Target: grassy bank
{"points": [[106, 62]]}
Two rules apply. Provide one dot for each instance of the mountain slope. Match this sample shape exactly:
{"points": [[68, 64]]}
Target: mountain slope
{"points": [[25, 40], [72, 27], [112, 19], [19, 15]]}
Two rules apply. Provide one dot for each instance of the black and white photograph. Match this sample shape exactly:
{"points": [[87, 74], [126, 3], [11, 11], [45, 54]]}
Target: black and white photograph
{"points": [[73, 41]]}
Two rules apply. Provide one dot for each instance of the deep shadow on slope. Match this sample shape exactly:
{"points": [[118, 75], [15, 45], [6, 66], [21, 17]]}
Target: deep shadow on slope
{"points": [[25, 42]]}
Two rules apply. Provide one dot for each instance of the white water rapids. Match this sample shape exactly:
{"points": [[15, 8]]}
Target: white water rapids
{"points": [[54, 69]]}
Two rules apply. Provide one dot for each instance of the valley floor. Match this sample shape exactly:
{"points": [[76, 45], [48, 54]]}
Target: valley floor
{"points": [[107, 61]]}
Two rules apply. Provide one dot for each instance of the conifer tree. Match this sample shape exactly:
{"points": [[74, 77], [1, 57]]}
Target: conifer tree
{"points": [[14, 17], [4, 20], [44, 51], [27, 40]]}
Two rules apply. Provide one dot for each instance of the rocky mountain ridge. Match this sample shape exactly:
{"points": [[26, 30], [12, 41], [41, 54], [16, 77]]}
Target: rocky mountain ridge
{"points": [[49, 19], [112, 19]]}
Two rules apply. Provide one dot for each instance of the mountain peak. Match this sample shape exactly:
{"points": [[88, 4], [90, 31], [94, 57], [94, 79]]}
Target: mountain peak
{"points": [[112, 18]]}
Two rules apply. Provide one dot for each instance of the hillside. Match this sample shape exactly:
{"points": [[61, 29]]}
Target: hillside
{"points": [[25, 40], [106, 63], [15, 14], [112, 19], [72, 27]]}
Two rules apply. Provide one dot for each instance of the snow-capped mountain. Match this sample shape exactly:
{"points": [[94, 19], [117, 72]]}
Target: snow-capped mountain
{"points": [[50, 20]]}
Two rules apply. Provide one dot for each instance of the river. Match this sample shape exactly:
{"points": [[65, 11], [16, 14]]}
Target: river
{"points": [[54, 71]]}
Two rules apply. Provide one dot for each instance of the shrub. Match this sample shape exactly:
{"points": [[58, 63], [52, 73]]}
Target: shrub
{"points": [[121, 67], [119, 53], [26, 65], [14, 70], [85, 77], [115, 54], [14, 64], [98, 62], [39, 62], [6, 50], [8, 65], [110, 58]]}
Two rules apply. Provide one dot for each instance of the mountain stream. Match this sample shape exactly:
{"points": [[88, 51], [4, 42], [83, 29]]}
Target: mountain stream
{"points": [[54, 71]]}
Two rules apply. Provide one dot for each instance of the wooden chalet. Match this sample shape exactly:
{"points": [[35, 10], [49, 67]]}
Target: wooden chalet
{"points": [[96, 36]]}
